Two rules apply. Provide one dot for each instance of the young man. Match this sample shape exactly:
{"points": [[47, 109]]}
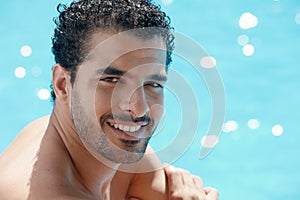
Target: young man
{"points": [[111, 67]]}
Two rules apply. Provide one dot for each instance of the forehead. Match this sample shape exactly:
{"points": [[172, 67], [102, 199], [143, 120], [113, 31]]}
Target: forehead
{"points": [[126, 47]]}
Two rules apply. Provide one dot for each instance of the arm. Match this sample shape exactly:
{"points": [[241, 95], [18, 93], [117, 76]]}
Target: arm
{"points": [[168, 183], [150, 181]]}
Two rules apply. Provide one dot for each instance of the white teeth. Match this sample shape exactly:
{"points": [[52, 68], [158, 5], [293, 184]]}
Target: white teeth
{"points": [[126, 128], [132, 129]]}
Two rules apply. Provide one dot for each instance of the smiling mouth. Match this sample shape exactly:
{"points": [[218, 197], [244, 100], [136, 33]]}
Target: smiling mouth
{"points": [[125, 128], [127, 132]]}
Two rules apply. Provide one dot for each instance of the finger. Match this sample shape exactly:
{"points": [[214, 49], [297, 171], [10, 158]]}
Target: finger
{"points": [[186, 177], [174, 178], [198, 182], [211, 193]]}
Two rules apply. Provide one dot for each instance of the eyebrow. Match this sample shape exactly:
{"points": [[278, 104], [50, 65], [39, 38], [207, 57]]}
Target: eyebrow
{"points": [[158, 77], [110, 71], [114, 71]]}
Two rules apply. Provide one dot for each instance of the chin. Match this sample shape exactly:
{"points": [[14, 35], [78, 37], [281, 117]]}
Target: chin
{"points": [[124, 158], [124, 153]]}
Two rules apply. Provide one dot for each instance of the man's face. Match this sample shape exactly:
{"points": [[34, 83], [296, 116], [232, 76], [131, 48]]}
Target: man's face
{"points": [[117, 98]]}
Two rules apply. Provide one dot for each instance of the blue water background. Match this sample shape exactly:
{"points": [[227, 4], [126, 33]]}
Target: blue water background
{"points": [[246, 164]]}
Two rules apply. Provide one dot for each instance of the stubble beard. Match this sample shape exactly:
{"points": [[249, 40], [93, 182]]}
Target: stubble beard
{"points": [[97, 143]]}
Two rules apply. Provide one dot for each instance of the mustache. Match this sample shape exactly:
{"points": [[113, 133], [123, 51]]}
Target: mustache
{"points": [[128, 118]]}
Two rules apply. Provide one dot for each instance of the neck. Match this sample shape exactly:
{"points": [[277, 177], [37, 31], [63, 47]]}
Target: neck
{"points": [[88, 171]]}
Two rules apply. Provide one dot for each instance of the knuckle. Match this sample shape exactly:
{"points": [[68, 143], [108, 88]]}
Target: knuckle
{"points": [[197, 178], [181, 172], [215, 191]]}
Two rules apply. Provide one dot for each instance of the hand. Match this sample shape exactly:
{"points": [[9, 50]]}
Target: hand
{"points": [[184, 186]]}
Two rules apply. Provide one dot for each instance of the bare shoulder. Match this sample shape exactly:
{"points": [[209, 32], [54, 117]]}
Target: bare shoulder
{"points": [[17, 160], [35, 166], [29, 137], [32, 130], [147, 178]]}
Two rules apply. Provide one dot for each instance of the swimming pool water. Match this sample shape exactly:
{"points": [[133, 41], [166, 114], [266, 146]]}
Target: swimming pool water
{"points": [[257, 155]]}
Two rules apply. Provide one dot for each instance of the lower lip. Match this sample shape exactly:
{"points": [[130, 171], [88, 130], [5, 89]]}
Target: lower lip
{"points": [[123, 135]]}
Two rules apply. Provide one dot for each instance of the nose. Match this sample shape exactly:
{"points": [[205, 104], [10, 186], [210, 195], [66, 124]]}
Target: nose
{"points": [[135, 102]]}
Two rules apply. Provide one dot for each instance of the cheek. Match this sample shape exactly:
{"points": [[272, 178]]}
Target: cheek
{"points": [[157, 109], [102, 100]]}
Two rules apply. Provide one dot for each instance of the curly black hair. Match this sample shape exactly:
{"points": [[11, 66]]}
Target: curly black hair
{"points": [[77, 22]]}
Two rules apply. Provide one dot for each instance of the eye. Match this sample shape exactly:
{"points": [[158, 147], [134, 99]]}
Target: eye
{"points": [[110, 79], [154, 85]]}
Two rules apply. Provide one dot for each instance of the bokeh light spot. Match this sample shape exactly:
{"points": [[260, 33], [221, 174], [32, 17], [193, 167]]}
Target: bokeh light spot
{"points": [[230, 126], [277, 130], [248, 50], [44, 94], [20, 72], [26, 51], [209, 141], [208, 62], [297, 18], [248, 20], [243, 40], [253, 124]]}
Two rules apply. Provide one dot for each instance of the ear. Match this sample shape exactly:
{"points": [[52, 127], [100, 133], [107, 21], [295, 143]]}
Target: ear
{"points": [[61, 83]]}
